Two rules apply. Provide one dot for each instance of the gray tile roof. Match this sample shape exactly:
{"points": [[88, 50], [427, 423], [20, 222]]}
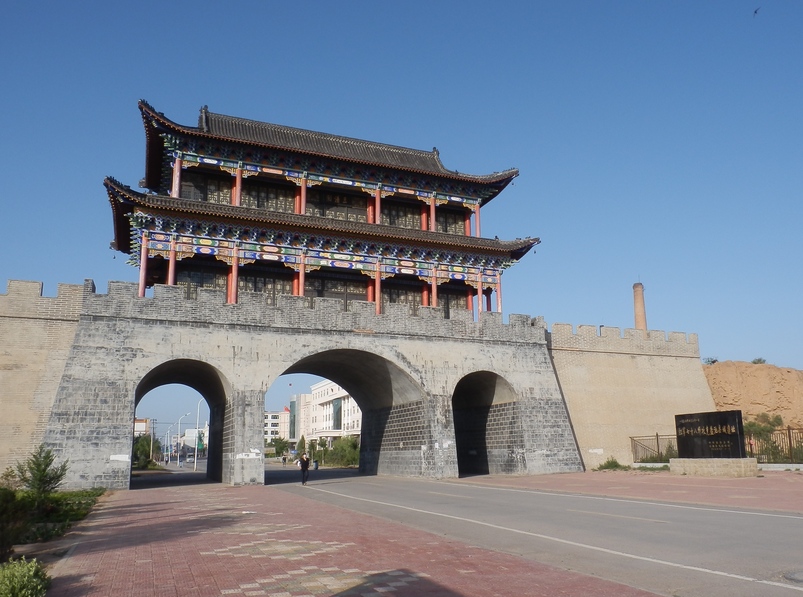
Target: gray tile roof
{"points": [[326, 145], [123, 197]]}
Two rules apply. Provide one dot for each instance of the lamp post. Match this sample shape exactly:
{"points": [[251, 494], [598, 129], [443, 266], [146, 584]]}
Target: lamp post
{"points": [[178, 448], [197, 418], [153, 430], [168, 443]]}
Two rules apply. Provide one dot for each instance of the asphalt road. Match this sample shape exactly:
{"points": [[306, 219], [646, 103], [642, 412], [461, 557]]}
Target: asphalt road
{"points": [[667, 548]]}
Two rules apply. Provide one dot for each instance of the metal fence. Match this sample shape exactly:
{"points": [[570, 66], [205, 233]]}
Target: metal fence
{"points": [[784, 446], [654, 448], [780, 447]]}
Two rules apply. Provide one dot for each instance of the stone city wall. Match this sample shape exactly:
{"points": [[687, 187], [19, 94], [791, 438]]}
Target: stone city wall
{"points": [[37, 333], [619, 385]]}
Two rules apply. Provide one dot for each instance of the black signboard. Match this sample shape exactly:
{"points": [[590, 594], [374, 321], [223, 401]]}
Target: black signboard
{"points": [[710, 435]]}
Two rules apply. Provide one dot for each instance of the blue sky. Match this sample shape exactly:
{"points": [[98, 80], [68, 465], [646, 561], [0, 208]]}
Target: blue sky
{"points": [[657, 141]]}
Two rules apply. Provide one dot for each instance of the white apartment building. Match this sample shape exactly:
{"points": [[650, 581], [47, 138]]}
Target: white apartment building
{"points": [[333, 413], [277, 424]]}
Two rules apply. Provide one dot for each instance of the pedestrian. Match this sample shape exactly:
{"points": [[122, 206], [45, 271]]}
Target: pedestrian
{"points": [[304, 464], [284, 460]]}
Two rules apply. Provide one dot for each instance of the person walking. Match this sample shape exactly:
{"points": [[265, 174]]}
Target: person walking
{"points": [[284, 460], [304, 464]]}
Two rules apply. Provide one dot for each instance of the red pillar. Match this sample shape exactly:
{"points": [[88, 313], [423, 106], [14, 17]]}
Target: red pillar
{"points": [[236, 196], [143, 263], [467, 220], [434, 286], [171, 264], [302, 272], [176, 188], [378, 287], [378, 206], [297, 203], [477, 220], [425, 295], [479, 293], [432, 214], [424, 217], [488, 301], [234, 275], [302, 208], [499, 291]]}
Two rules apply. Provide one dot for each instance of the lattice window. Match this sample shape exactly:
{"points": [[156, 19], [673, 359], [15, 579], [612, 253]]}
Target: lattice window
{"points": [[452, 300], [192, 280], [404, 215], [265, 283], [338, 206], [405, 295], [450, 221], [342, 288], [198, 186], [271, 198]]}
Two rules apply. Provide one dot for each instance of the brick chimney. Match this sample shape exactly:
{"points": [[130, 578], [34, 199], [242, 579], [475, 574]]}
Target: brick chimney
{"points": [[638, 306]]}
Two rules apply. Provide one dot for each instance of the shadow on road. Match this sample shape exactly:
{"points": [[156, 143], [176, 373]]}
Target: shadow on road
{"points": [[279, 475]]}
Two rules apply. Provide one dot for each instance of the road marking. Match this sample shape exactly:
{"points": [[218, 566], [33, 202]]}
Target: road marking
{"points": [[465, 497], [619, 516], [645, 502], [572, 543]]}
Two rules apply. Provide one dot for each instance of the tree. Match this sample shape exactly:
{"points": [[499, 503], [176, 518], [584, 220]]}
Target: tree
{"points": [[710, 360], [279, 444], [301, 446], [763, 425], [141, 453], [39, 475], [345, 451], [759, 361]]}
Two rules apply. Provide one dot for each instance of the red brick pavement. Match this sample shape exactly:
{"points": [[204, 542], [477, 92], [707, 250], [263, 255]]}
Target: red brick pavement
{"points": [[260, 541]]}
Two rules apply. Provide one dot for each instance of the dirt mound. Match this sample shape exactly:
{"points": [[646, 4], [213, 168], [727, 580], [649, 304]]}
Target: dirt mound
{"points": [[755, 389]]}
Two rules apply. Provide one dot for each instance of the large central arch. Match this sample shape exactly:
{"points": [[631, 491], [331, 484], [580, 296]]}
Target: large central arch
{"points": [[394, 423], [209, 383]]}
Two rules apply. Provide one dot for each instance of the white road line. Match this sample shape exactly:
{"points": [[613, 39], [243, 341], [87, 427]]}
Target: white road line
{"points": [[572, 543], [645, 502], [619, 516]]}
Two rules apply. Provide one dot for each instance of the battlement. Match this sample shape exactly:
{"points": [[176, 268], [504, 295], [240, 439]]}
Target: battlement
{"points": [[589, 338], [23, 299], [168, 304]]}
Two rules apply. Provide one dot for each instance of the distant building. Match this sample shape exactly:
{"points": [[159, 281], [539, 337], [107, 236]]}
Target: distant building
{"points": [[333, 413], [142, 427]]}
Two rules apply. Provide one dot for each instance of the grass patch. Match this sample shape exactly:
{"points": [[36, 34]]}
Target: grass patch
{"points": [[612, 465]]}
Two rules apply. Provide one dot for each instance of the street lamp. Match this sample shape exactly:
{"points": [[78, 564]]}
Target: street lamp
{"points": [[168, 442], [197, 418], [178, 447]]}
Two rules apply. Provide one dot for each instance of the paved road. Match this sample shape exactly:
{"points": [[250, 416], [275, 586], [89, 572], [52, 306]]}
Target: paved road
{"points": [[622, 535], [668, 548]]}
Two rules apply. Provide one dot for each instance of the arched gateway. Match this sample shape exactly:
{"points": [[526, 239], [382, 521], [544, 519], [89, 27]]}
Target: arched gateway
{"points": [[440, 397], [273, 250]]}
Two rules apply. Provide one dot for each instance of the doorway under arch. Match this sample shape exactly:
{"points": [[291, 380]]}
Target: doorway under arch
{"points": [[211, 385], [487, 430]]}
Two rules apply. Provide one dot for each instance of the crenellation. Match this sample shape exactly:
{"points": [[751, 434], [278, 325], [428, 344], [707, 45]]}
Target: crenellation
{"points": [[628, 341], [168, 303]]}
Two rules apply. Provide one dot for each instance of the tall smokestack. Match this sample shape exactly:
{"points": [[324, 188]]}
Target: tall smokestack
{"points": [[638, 306]]}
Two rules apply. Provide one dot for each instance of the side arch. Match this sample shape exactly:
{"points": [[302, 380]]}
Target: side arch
{"points": [[488, 433], [210, 383]]}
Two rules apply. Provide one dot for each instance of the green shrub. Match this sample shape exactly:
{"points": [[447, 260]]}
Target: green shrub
{"points": [[612, 465], [9, 479], [40, 477], [345, 451], [22, 578], [13, 522]]}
